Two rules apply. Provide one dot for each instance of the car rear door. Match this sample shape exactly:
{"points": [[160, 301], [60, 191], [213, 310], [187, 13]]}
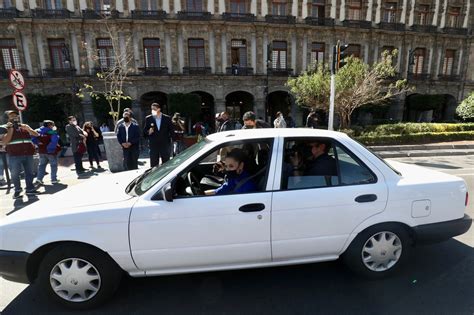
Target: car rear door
{"points": [[315, 221]]}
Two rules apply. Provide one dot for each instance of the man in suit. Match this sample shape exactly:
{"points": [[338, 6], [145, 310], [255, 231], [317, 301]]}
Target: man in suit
{"points": [[159, 131], [128, 136]]}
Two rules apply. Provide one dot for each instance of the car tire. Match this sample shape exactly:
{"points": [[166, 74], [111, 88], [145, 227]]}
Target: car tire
{"points": [[78, 276], [378, 251]]}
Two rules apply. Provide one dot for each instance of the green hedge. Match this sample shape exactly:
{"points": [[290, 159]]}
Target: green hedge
{"points": [[408, 129], [417, 138]]}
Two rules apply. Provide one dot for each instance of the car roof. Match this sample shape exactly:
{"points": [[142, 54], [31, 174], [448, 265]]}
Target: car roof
{"points": [[244, 134]]}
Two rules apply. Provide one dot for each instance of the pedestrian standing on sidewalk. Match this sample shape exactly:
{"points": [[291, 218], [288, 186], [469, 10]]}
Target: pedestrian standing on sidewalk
{"points": [[76, 139], [48, 149], [3, 132], [178, 133], [279, 122], [159, 132], [128, 135], [121, 121], [92, 143], [251, 121], [20, 150]]}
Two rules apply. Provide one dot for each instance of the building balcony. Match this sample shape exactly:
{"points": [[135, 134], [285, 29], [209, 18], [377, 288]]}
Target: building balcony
{"points": [[51, 14], [424, 28], [100, 14], [392, 26], [235, 70], [148, 15], [197, 70], [449, 77], [280, 19], [9, 13], [319, 21], [238, 17], [58, 73], [418, 76], [194, 16], [5, 73], [156, 71], [280, 72], [455, 31], [357, 23]]}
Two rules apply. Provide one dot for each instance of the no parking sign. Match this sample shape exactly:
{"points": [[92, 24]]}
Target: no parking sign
{"points": [[20, 101]]}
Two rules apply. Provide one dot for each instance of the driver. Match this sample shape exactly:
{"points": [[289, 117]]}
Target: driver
{"points": [[237, 179]]}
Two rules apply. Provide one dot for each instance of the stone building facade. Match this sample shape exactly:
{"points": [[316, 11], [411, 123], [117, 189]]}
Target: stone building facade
{"points": [[218, 48]]}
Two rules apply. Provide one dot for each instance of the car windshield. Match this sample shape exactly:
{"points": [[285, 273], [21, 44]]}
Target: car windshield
{"points": [[152, 177]]}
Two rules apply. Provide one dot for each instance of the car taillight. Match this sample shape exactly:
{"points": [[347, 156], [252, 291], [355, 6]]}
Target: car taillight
{"points": [[467, 198]]}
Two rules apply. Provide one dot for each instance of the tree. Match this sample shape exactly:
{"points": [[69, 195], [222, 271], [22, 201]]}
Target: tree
{"points": [[465, 110], [113, 70], [357, 84]]}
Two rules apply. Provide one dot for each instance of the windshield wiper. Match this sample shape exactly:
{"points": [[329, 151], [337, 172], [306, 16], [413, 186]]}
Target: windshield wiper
{"points": [[136, 180]]}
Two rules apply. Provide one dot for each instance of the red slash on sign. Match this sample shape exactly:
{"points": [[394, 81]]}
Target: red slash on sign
{"points": [[20, 101], [17, 81]]}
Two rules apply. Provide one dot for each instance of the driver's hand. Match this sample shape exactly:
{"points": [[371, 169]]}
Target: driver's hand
{"points": [[218, 167]]}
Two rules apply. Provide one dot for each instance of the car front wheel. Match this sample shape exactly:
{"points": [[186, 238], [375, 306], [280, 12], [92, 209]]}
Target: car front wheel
{"points": [[78, 276], [378, 251]]}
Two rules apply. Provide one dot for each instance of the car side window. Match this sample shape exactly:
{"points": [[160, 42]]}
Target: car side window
{"points": [[321, 162], [221, 171]]}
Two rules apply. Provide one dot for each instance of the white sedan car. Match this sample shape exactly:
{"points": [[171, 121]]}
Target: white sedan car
{"points": [[293, 196]]}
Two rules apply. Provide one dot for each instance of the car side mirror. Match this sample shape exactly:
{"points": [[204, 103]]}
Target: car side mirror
{"points": [[167, 192]]}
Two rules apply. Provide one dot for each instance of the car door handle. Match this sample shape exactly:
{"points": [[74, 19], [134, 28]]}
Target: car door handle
{"points": [[366, 198], [252, 207]]}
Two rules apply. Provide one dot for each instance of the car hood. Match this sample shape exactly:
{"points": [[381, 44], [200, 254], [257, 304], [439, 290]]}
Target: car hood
{"points": [[89, 196]]}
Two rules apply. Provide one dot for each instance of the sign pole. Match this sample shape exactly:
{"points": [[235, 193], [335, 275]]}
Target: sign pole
{"points": [[21, 116]]}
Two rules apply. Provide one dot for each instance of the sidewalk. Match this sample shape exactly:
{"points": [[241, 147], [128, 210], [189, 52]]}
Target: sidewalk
{"points": [[425, 150]]}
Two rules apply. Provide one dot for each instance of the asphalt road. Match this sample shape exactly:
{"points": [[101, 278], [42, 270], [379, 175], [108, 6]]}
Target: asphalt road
{"points": [[438, 279]]}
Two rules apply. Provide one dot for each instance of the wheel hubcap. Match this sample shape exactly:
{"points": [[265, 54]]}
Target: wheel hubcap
{"points": [[75, 280], [382, 251]]}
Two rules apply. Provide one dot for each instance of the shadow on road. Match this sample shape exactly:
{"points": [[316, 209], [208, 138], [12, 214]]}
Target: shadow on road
{"points": [[438, 165], [437, 279], [28, 200]]}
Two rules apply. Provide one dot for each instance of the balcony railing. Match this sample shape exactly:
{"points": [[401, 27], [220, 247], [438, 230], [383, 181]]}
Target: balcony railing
{"points": [[449, 77], [317, 21], [58, 73], [9, 13], [419, 76], [51, 14], [196, 16], [238, 17], [280, 72], [100, 14], [239, 70], [357, 23], [280, 19], [455, 31], [424, 28], [196, 70], [392, 26], [4, 73], [148, 15], [154, 70]]}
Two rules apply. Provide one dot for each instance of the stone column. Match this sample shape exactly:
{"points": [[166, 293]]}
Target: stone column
{"points": [[166, 6], [221, 6], [212, 52], [436, 13], [430, 59], [443, 17], [366, 53], [403, 15], [19, 5], [264, 8], [82, 5], [333, 9], [25, 44], [119, 5], [265, 53], [253, 7], [438, 62], [378, 12], [304, 9], [305, 53], [177, 6], [261, 51], [39, 47], [224, 51], [131, 5], [293, 53], [136, 52], [294, 8], [342, 13], [75, 52], [180, 52], [169, 62], [458, 72], [32, 4], [89, 45], [70, 5], [218, 53], [411, 18], [399, 59], [465, 24], [376, 51], [253, 49], [369, 10]]}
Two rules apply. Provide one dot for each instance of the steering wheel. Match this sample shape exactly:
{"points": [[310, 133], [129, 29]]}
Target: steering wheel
{"points": [[194, 184]]}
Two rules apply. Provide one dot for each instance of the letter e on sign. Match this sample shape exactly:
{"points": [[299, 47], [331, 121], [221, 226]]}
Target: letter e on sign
{"points": [[19, 100], [17, 81]]}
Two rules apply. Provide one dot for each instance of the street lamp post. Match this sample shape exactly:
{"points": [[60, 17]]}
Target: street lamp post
{"points": [[269, 67]]}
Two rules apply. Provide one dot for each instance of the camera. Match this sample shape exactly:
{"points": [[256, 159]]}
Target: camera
{"points": [[16, 124]]}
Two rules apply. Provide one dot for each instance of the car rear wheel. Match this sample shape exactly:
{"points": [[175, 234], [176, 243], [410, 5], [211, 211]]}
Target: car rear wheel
{"points": [[78, 276], [378, 251]]}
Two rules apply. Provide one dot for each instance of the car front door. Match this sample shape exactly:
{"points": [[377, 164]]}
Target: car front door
{"points": [[202, 232], [313, 216]]}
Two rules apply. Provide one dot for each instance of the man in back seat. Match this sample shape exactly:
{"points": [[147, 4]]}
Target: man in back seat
{"points": [[320, 163]]}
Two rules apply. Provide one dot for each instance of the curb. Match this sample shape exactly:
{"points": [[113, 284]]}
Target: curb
{"points": [[420, 153], [422, 147]]}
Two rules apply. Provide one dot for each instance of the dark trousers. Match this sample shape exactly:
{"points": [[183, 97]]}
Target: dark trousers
{"points": [[78, 162], [130, 157], [156, 153], [93, 152]]}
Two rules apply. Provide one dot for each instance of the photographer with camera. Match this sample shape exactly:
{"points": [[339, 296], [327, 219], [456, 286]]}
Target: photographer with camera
{"points": [[20, 151]]}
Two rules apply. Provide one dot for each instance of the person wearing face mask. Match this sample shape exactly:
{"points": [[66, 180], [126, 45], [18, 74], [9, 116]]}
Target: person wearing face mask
{"points": [[48, 149], [128, 135], [237, 179], [92, 143], [279, 122], [159, 132], [251, 121], [20, 151], [76, 137]]}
